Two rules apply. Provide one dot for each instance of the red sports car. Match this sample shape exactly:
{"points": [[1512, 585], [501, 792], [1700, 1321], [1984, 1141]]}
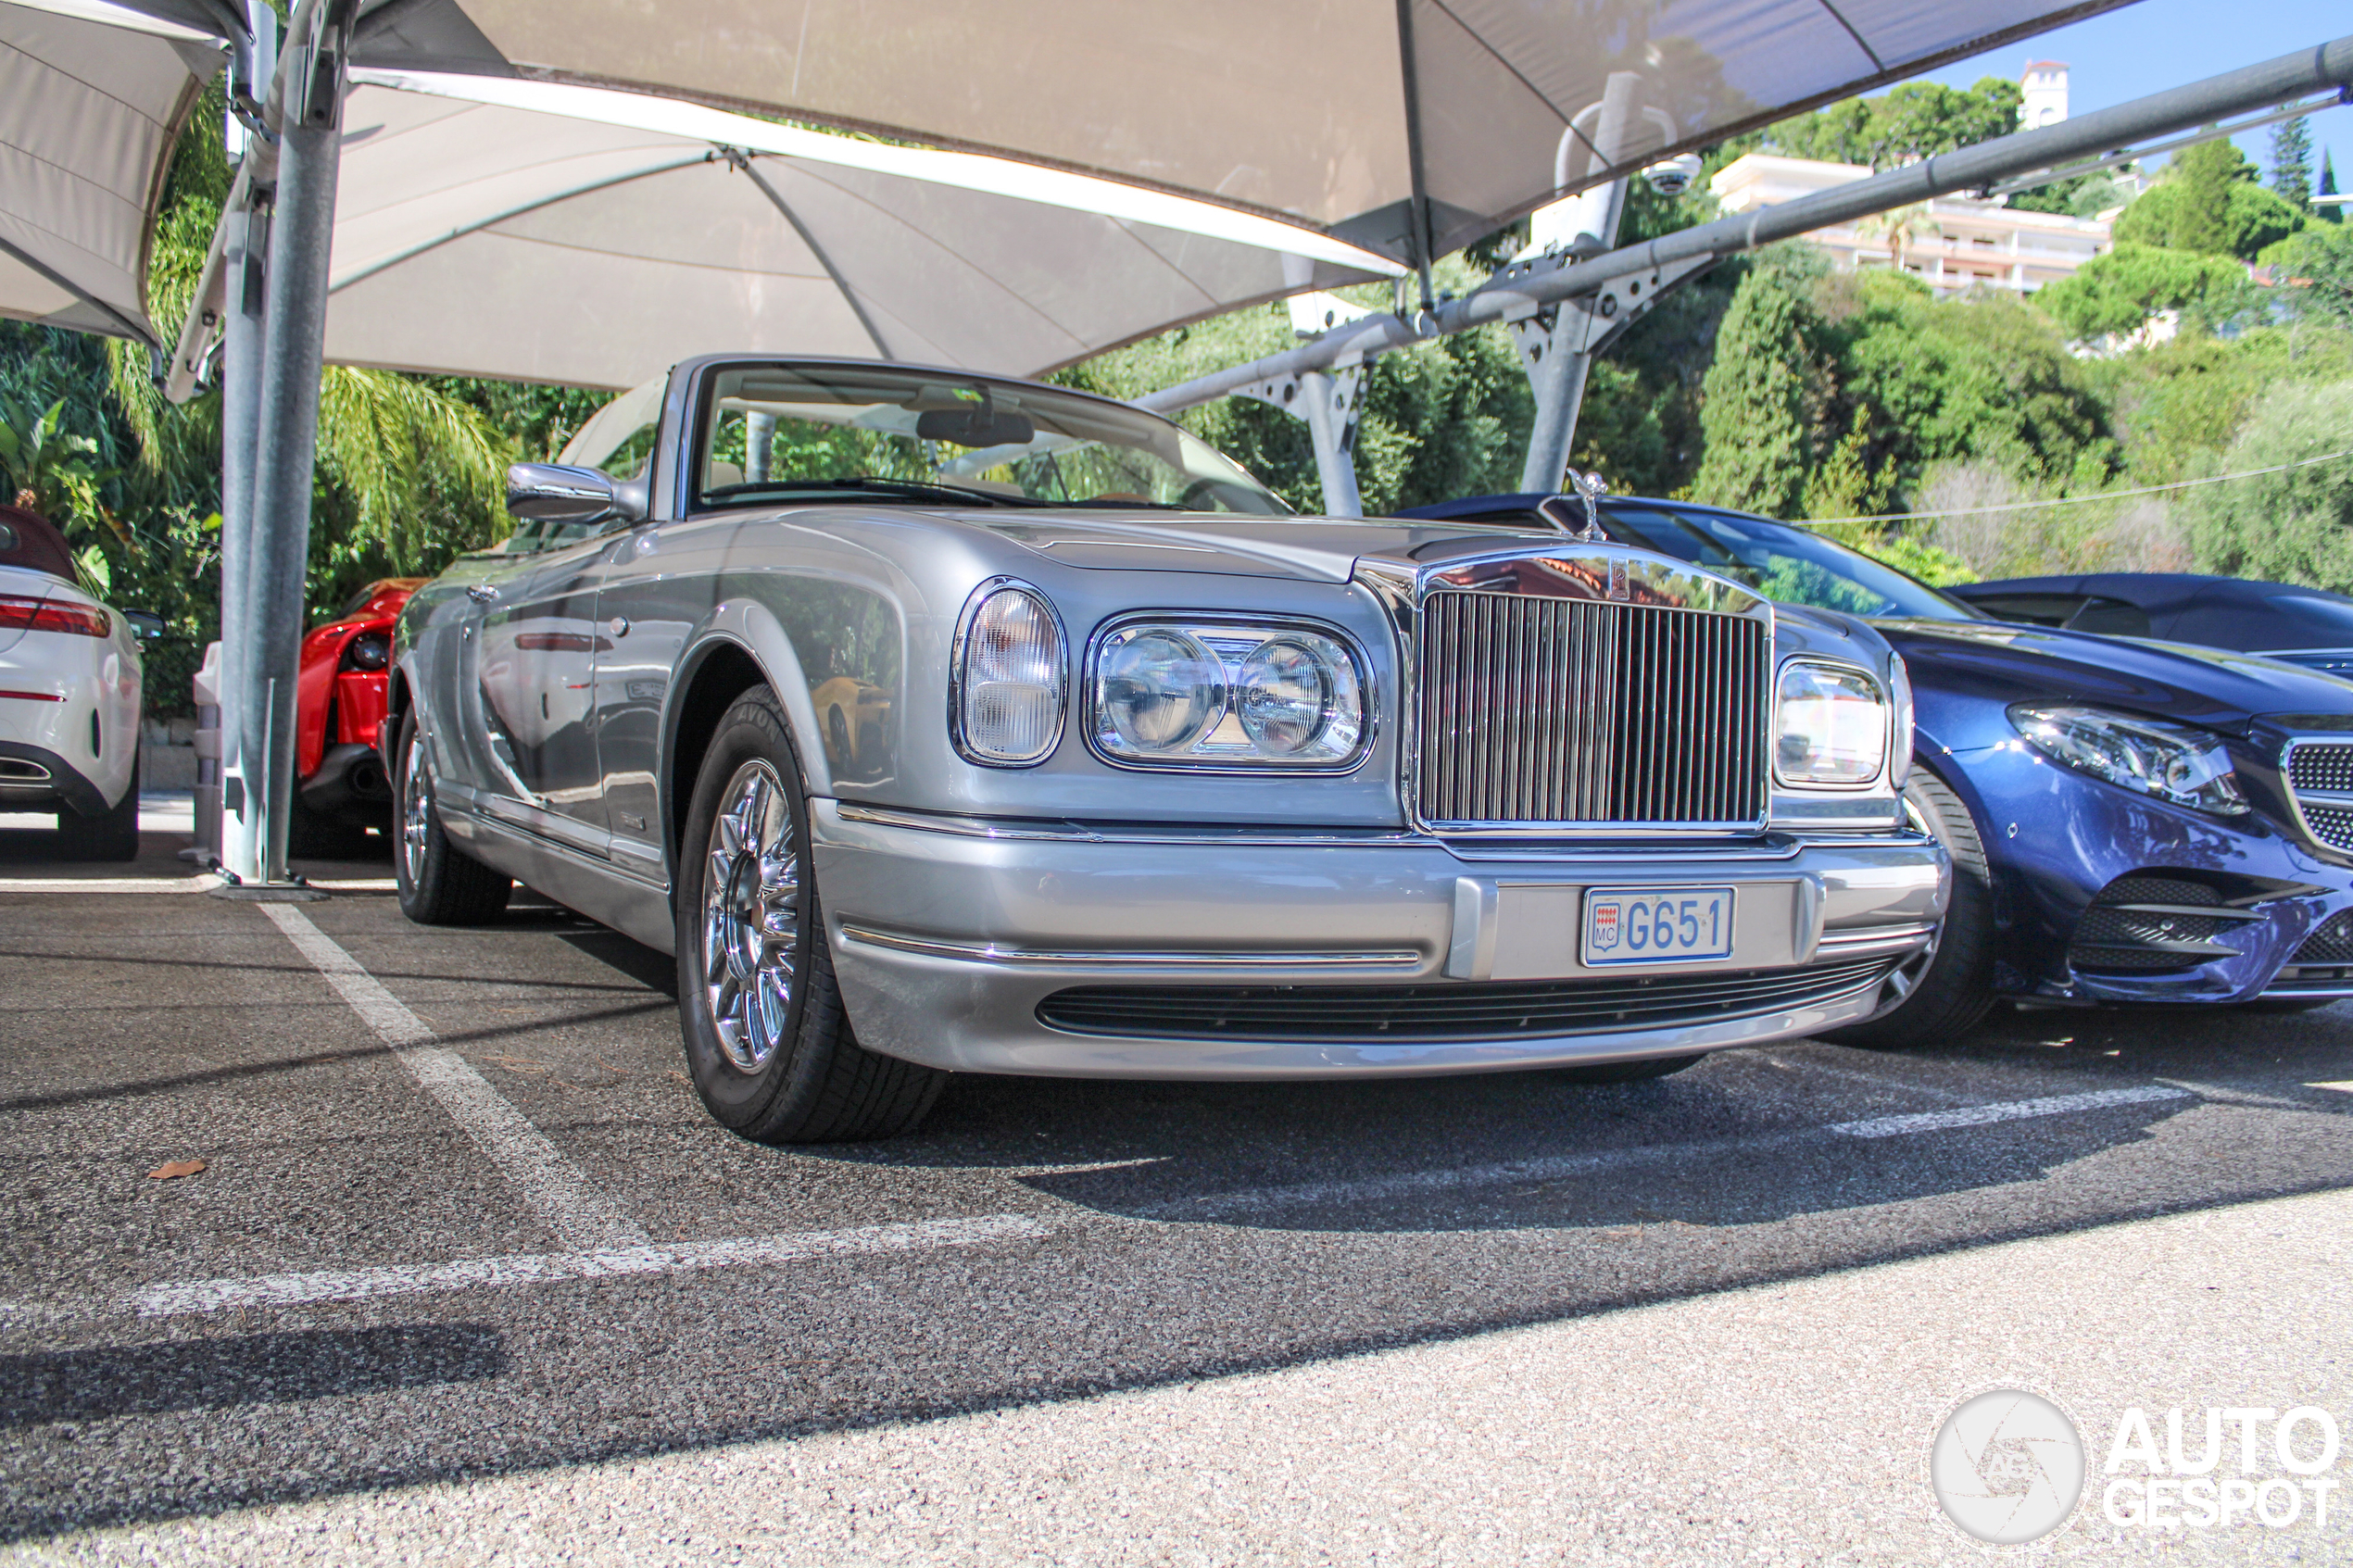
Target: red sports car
{"points": [[340, 786]]}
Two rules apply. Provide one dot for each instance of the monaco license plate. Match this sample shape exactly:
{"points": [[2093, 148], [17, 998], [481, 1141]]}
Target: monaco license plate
{"points": [[1658, 924]]}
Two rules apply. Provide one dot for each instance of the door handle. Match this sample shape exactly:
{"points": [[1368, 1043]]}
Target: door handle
{"points": [[482, 592], [621, 626]]}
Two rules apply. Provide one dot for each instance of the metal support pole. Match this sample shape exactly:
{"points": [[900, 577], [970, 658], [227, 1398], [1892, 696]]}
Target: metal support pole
{"points": [[293, 349], [241, 846], [1330, 403], [1558, 373]]}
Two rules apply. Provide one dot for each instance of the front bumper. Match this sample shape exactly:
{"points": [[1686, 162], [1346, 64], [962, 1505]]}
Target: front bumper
{"points": [[2062, 845], [956, 939]]}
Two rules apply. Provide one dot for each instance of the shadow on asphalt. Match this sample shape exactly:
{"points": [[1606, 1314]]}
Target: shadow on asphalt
{"points": [[253, 1369]]}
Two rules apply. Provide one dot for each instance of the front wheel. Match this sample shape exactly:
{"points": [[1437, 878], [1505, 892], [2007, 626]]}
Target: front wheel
{"points": [[767, 1041], [1948, 990], [439, 883]]}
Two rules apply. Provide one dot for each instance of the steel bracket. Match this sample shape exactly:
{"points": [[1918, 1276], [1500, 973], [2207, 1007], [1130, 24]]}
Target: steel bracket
{"points": [[1590, 323]]}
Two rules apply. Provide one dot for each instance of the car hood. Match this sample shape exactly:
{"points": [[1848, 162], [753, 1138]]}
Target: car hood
{"points": [[2229, 692], [1315, 549]]}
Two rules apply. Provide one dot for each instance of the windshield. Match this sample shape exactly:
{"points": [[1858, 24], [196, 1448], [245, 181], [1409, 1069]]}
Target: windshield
{"points": [[1787, 565], [788, 432]]}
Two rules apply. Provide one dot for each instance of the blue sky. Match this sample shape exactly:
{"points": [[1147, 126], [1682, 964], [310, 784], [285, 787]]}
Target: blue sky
{"points": [[2154, 44]]}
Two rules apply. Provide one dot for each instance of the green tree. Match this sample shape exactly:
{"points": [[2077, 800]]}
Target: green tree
{"points": [[2316, 269], [2292, 163], [2293, 526], [2202, 212], [2207, 201], [1754, 415], [2116, 293], [1917, 120], [2328, 212]]}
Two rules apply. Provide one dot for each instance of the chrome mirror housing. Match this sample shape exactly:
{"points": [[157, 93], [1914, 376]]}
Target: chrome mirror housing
{"points": [[555, 493]]}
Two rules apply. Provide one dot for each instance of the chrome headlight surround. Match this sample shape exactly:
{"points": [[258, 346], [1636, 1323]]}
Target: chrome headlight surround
{"points": [[1246, 683], [2176, 763], [1830, 687], [970, 729]]}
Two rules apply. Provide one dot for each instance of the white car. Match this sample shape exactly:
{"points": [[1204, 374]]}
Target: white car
{"points": [[69, 688]]}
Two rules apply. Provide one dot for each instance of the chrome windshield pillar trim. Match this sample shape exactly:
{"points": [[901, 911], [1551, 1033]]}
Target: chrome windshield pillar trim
{"points": [[1166, 962]]}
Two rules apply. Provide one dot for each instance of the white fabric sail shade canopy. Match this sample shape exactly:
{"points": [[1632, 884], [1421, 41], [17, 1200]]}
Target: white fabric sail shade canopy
{"points": [[89, 110], [593, 237], [1314, 110]]}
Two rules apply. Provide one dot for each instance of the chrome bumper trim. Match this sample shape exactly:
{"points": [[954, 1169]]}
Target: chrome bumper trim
{"points": [[1166, 962], [1157, 833], [1864, 944]]}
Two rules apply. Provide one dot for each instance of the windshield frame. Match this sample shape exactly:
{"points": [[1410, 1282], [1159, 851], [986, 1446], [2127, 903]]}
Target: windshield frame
{"points": [[1687, 513], [687, 499]]}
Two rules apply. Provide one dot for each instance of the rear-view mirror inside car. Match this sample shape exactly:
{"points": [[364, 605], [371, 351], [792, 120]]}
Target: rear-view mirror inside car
{"points": [[979, 426]]}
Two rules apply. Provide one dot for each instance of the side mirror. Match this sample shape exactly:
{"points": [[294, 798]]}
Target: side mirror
{"points": [[553, 492], [145, 624]]}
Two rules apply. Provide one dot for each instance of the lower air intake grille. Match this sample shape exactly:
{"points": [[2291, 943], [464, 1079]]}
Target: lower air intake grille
{"points": [[1544, 710], [1475, 1011], [2333, 944]]}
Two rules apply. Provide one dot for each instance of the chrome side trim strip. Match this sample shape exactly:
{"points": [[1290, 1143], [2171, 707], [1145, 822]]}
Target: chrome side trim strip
{"points": [[996, 952]]}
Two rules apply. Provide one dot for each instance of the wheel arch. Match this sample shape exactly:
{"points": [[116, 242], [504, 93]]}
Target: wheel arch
{"points": [[743, 647]]}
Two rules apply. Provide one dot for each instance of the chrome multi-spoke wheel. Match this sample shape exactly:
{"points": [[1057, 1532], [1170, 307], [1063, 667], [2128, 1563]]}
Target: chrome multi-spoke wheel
{"points": [[416, 808], [439, 883], [768, 1040], [751, 918]]}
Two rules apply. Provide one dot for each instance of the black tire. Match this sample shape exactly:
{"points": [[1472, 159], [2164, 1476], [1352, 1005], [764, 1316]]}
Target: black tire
{"points": [[439, 883], [788, 1071], [1627, 1072], [113, 834], [1953, 992]]}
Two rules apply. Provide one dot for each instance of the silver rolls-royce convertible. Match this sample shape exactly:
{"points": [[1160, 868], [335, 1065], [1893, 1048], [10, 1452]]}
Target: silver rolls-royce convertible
{"points": [[943, 722]]}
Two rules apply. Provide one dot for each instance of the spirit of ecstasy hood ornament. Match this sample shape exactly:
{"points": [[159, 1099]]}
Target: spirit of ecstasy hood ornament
{"points": [[1589, 488]]}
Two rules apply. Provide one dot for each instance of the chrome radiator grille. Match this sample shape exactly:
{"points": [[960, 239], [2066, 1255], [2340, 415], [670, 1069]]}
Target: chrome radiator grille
{"points": [[1542, 710]]}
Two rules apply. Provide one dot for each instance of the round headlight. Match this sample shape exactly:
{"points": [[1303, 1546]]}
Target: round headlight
{"points": [[369, 650], [1284, 695], [1162, 689]]}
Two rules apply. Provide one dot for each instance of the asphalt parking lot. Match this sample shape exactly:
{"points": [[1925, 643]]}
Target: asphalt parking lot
{"points": [[468, 1270]]}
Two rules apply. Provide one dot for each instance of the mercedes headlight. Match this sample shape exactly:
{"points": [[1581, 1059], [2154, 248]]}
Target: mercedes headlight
{"points": [[2175, 762], [1830, 725], [1205, 694], [1011, 677]]}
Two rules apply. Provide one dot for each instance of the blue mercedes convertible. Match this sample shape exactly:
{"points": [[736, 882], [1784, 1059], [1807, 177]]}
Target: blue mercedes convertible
{"points": [[2129, 820]]}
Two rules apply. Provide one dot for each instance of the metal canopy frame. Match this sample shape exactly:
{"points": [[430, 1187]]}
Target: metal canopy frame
{"points": [[1565, 309]]}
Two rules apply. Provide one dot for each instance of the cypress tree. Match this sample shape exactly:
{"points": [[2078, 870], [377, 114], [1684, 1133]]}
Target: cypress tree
{"points": [[2328, 212], [2202, 213], [2292, 162], [1753, 415]]}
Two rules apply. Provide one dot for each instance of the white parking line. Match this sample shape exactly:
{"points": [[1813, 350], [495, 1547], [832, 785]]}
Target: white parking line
{"points": [[2013, 1111], [181, 1298], [582, 1218]]}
